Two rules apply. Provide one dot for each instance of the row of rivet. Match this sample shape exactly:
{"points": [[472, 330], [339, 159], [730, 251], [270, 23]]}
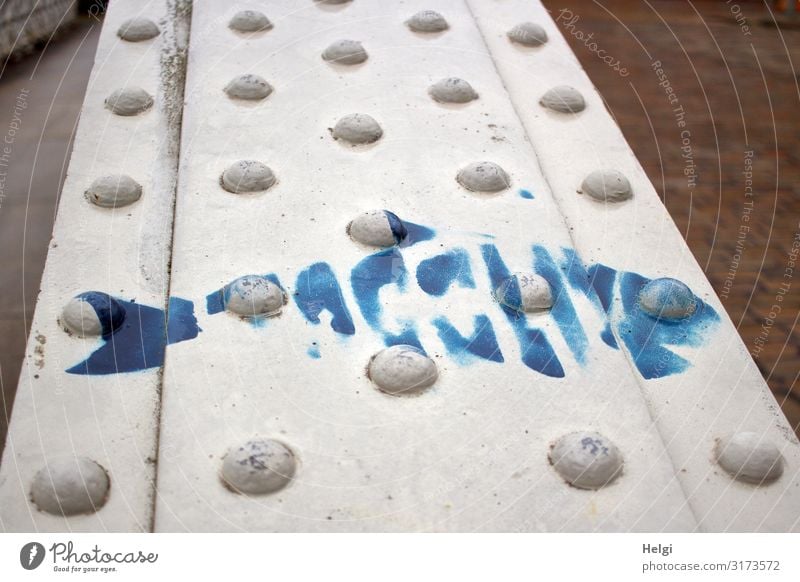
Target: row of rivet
{"points": [[586, 460], [425, 21], [76, 485], [248, 176]]}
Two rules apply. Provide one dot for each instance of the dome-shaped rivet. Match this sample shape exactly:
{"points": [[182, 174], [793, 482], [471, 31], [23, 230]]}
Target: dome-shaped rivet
{"points": [[525, 292], [402, 370], [528, 34], [563, 99], [249, 21], [345, 52], [129, 101], [377, 228], [667, 298], [607, 186], [258, 466], [70, 486], [247, 176], [483, 177], [452, 90], [114, 191], [138, 29], [357, 128], [253, 296], [248, 87], [427, 21], [92, 314], [749, 457], [587, 460]]}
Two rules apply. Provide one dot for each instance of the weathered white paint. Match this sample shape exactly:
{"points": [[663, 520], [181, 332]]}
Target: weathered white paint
{"points": [[111, 420], [723, 392], [470, 452]]}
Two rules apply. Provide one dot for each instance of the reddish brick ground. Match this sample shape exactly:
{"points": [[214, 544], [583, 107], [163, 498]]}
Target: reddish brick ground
{"points": [[740, 92]]}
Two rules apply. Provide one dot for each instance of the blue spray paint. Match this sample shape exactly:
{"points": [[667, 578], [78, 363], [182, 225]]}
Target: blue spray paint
{"points": [[318, 290], [215, 301], [110, 313], [181, 322], [371, 274], [526, 194], [537, 353], [367, 278], [138, 344], [601, 278], [576, 273], [407, 337], [435, 275], [482, 343], [313, 351], [562, 311], [644, 336], [607, 335], [416, 233], [399, 230]]}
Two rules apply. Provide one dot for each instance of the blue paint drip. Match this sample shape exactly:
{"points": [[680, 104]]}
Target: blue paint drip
{"points": [[110, 313], [399, 230], [563, 311], [482, 343], [435, 275], [646, 337], [526, 194], [416, 233], [370, 274], [313, 351], [537, 353], [138, 344], [215, 301], [318, 290]]}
